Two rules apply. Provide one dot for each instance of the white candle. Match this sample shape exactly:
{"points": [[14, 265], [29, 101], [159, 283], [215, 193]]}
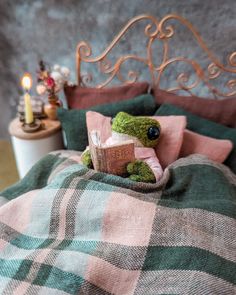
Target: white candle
{"points": [[26, 83]]}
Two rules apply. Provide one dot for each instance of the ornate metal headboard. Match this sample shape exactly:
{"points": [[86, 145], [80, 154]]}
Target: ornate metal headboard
{"points": [[159, 31]]}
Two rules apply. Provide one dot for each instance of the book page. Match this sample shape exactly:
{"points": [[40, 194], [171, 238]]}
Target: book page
{"points": [[110, 159]]}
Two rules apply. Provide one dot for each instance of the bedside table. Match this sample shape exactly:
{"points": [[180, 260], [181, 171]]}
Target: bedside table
{"points": [[31, 147]]}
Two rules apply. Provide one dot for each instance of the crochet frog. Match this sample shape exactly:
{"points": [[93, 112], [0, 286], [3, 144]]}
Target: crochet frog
{"points": [[145, 133]]}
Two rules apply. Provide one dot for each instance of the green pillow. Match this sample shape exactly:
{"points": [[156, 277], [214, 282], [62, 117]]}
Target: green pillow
{"points": [[74, 121], [204, 127]]}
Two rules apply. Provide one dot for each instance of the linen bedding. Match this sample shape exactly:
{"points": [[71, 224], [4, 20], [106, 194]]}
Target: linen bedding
{"points": [[66, 229]]}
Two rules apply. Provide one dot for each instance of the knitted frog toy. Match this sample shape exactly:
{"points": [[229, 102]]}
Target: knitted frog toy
{"points": [[144, 132]]}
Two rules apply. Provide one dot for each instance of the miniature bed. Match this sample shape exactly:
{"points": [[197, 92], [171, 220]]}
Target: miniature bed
{"points": [[66, 229]]}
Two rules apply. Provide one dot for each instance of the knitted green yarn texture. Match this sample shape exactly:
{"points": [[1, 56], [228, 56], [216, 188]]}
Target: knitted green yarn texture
{"points": [[136, 126], [140, 171], [86, 159]]}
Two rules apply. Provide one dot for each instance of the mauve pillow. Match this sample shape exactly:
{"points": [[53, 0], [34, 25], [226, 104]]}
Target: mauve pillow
{"points": [[222, 111], [84, 97]]}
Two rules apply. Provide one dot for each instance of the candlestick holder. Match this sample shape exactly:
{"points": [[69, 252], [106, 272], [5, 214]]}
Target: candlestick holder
{"points": [[37, 108], [32, 127]]}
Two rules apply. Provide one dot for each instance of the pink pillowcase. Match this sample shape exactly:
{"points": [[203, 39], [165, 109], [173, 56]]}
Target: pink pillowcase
{"points": [[96, 121], [171, 140], [175, 140], [215, 149], [85, 97]]}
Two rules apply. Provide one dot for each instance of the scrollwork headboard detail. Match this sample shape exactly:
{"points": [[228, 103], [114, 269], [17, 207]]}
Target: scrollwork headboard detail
{"points": [[160, 31]]}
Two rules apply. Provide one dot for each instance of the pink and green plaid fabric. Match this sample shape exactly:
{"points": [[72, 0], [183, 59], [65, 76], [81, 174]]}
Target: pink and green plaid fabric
{"points": [[65, 229]]}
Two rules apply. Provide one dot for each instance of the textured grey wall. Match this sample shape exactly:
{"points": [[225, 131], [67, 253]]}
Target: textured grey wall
{"points": [[50, 29]]}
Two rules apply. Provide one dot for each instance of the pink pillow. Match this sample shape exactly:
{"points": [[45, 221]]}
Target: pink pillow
{"points": [[170, 142], [96, 121], [85, 97], [215, 149]]}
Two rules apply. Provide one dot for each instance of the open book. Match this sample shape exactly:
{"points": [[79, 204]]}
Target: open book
{"points": [[110, 158]]}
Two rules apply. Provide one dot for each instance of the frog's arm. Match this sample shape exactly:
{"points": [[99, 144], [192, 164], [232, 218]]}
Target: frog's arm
{"points": [[141, 172], [86, 159]]}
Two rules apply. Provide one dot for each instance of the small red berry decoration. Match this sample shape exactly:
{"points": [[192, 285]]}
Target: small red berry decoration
{"points": [[50, 82]]}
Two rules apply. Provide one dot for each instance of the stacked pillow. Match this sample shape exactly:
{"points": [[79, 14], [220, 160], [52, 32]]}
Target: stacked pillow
{"points": [[202, 114], [215, 149], [179, 142], [204, 127], [85, 97], [221, 111]]}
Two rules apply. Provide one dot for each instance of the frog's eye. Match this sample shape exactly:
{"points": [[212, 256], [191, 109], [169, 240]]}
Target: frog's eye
{"points": [[153, 132]]}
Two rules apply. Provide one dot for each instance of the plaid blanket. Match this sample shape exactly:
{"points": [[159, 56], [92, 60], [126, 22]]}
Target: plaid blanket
{"points": [[65, 229]]}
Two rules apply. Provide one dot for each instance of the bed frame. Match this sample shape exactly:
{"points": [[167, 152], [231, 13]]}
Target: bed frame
{"points": [[160, 31]]}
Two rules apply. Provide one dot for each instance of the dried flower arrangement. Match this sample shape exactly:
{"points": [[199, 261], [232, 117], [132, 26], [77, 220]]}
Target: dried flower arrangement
{"points": [[50, 82]]}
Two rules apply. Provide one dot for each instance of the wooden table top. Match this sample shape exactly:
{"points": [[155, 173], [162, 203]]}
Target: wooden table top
{"points": [[49, 127]]}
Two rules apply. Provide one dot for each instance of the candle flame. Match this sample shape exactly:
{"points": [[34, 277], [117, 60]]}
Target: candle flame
{"points": [[26, 81]]}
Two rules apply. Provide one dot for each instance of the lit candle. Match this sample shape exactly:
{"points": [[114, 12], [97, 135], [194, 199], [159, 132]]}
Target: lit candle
{"points": [[26, 83]]}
